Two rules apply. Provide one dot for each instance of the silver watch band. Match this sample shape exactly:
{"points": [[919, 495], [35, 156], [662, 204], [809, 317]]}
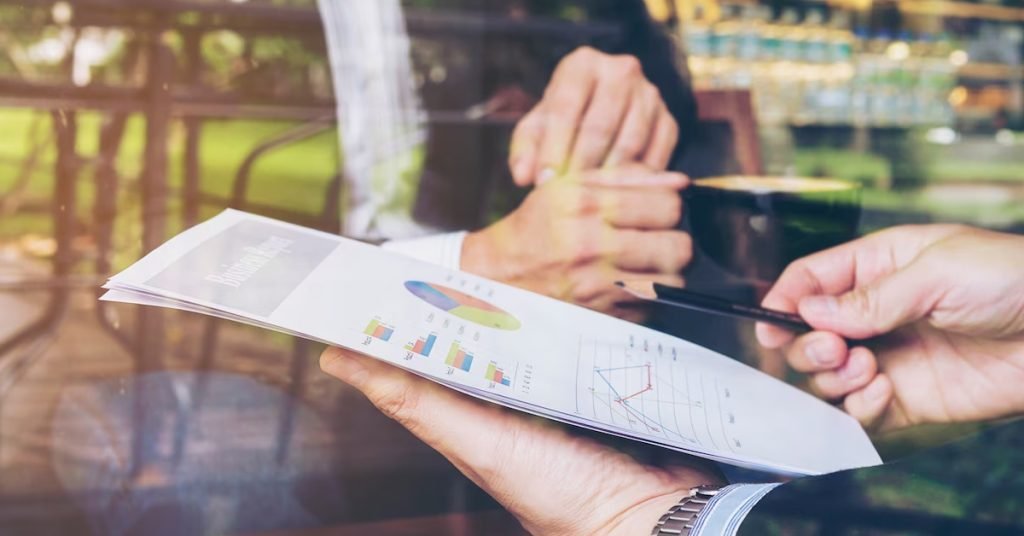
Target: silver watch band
{"points": [[680, 519]]}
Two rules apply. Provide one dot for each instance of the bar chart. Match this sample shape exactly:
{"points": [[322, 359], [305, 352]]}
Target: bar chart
{"points": [[423, 346], [459, 358], [497, 375], [379, 330]]}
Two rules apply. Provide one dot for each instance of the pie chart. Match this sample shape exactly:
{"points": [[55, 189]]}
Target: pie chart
{"points": [[463, 305]]}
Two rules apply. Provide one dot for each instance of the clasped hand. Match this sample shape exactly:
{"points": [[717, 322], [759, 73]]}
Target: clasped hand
{"points": [[573, 237]]}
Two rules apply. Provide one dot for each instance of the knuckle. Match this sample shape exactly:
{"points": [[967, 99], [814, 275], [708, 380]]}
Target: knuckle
{"points": [[400, 405], [528, 125], [583, 53], [588, 289], [861, 304], [328, 358], [674, 210], [796, 356], [631, 146], [562, 99], [799, 270], [821, 386], [600, 126], [584, 252], [650, 92], [625, 66], [587, 202], [682, 251], [673, 129]]}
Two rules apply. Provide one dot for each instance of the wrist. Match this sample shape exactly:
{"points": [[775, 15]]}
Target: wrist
{"points": [[480, 255], [644, 516]]}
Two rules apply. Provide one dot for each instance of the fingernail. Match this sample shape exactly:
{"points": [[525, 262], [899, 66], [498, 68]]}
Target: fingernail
{"points": [[817, 352], [520, 168], [820, 305], [875, 391], [546, 175], [853, 369], [676, 179]]}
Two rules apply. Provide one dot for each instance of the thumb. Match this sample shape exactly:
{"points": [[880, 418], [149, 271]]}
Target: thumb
{"points": [[885, 304], [524, 151]]}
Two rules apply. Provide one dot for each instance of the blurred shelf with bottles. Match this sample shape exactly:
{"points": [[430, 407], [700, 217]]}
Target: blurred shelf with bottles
{"points": [[922, 100]]}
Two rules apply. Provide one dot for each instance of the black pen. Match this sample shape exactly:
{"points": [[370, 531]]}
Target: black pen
{"points": [[678, 297]]}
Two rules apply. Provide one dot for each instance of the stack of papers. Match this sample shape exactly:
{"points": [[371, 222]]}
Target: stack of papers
{"points": [[495, 342]]}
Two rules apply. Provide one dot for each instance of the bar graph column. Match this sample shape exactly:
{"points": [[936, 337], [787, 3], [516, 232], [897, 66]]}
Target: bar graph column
{"points": [[458, 358], [423, 346], [377, 329], [497, 375]]}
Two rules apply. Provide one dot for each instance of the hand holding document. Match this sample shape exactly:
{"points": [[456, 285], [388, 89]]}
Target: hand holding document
{"points": [[495, 342]]}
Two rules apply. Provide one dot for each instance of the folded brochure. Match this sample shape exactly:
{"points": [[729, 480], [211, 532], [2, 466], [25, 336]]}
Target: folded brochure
{"points": [[495, 342]]}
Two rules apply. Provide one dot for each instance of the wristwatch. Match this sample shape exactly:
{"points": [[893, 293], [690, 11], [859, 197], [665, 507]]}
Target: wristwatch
{"points": [[680, 519]]}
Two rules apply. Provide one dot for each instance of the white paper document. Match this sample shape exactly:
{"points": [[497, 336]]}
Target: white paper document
{"points": [[495, 342]]}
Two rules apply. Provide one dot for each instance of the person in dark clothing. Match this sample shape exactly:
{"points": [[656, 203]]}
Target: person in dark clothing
{"points": [[598, 96], [629, 117]]}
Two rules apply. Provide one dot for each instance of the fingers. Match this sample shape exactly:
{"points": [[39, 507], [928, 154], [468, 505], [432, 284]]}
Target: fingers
{"points": [[525, 148], [635, 177], [442, 418], [819, 351], [565, 101], [832, 270], [600, 125], [641, 208], [627, 207], [839, 270], [856, 372], [600, 110], [637, 128], [870, 404], [837, 374], [905, 296], [663, 142], [664, 252]]}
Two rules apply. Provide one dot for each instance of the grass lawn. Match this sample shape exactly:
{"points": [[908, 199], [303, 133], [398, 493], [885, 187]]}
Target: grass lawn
{"points": [[873, 171], [294, 177], [958, 170]]}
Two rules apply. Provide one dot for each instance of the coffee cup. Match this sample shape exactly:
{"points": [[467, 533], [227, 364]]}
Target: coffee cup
{"points": [[754, 227]]}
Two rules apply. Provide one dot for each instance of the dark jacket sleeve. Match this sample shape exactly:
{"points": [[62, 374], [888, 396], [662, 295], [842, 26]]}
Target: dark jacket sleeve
{"points": [[974, 486]]}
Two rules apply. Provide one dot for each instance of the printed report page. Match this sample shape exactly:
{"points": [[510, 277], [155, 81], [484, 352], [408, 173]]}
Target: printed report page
{"points": [[496, 342]]}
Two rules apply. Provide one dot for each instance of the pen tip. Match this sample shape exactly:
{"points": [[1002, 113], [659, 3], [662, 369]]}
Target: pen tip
{"points": [[640, 289]]}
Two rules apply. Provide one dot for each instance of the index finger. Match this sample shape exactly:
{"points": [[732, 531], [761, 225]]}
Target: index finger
{"points": [[829, 272], [565, 101], [634, 176], [842, 268], [525, 147], [600, 125], [635, 208]]}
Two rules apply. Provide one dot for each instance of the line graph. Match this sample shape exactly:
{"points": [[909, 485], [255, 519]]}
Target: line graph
{"points": [[643, 388], [623, 401], [603, 373]]}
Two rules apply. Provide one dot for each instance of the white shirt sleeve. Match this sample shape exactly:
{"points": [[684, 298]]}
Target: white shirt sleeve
{"points": [[443, 249], [726, 511]]}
